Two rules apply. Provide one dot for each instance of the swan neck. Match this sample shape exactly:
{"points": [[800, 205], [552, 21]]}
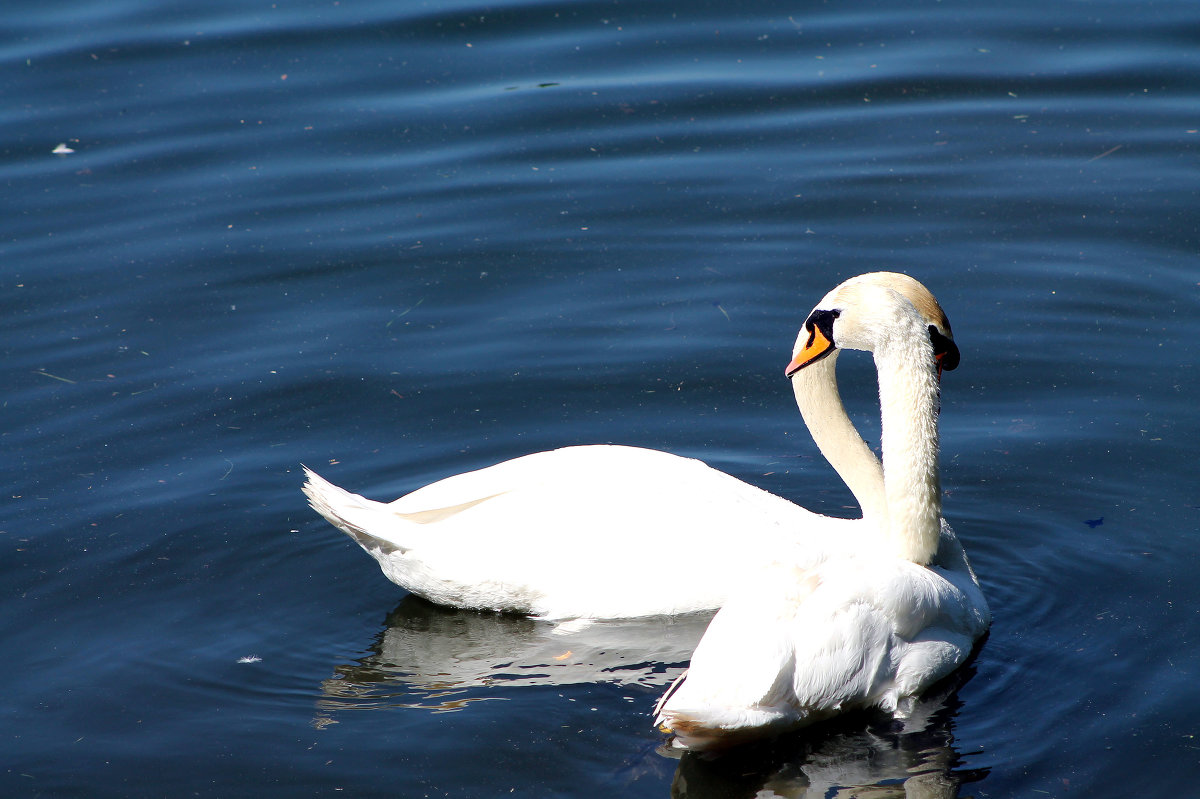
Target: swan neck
{"points": [[908, 400], [821, 405]]}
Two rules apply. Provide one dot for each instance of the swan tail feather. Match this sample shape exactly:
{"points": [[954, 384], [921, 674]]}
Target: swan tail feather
{"points": [[662, 700], [349, 512]]}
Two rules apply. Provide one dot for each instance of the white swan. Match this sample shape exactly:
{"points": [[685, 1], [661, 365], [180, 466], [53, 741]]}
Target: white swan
{"points": [[869, 628], [608, 531]]}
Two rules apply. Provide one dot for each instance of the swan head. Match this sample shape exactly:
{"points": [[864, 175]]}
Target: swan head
{"points": [[864, 311], [896, 319]]}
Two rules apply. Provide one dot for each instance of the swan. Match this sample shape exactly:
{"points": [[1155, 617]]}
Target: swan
{"points": [[607, 532], [872, 627]]}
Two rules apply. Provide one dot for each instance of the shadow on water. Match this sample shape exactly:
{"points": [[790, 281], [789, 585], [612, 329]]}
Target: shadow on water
{"points": [[440, 659], [866, 755]]}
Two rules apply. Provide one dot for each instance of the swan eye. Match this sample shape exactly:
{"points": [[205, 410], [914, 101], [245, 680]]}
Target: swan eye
{"points": [[822, 321]]}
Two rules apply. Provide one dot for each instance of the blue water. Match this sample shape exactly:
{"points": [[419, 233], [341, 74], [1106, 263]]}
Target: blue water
{"points": [[397, 241]]}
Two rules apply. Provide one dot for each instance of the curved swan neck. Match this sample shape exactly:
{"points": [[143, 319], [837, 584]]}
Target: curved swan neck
{"points": [[908, 400], [821, 405]]}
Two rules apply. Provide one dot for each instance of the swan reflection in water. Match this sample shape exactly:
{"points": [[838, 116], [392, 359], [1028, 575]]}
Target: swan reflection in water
{"points": [[437, 658], [867, 755], [442, 660]]}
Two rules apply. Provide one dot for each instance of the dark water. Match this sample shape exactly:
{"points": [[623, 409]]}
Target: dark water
{"points": [[396, 241]]}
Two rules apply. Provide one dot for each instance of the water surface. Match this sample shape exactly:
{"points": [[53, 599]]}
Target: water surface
{"points": [[397, 241]]}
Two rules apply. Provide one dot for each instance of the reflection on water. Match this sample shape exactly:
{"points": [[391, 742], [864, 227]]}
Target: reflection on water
{"points": [[438, 659], [443, 660], [868, 755]]}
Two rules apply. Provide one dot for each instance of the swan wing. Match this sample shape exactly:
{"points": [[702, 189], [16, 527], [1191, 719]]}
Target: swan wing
{"points": [[776, 655], [738, 678]]}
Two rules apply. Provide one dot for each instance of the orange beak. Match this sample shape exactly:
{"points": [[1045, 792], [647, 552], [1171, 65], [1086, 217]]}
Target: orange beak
{"points": [[816, 348]]}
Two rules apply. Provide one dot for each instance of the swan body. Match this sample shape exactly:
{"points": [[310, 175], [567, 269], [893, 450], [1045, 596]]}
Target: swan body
{"points": [[609, 532], [869, 627], [589, 531]]}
